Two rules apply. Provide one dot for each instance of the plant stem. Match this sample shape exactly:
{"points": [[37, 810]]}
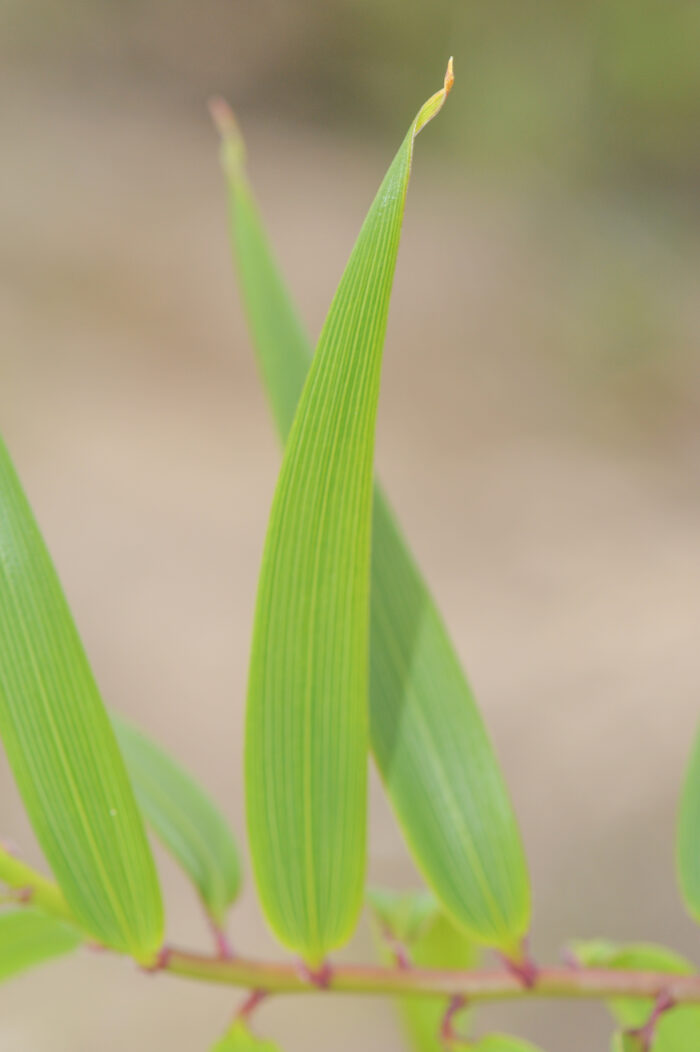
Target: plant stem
{"points": [[567, 981], [497, 985]]}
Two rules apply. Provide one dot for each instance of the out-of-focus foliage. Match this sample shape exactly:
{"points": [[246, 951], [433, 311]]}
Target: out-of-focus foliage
{"points": [[605, 86]]}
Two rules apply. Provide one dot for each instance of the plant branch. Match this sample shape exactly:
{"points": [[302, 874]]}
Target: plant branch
{"points": [[267, 977], [496, 985]]}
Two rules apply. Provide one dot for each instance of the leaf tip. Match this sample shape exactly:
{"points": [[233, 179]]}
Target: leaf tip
{"points": [[449, 76], [223, 117], [227, 126]]}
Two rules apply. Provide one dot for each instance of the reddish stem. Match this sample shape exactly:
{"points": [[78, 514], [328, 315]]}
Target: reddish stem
{"points": [[647, 1033], [224, 948], [320, 977], [448, 1034], [398, 950], [250, 1004]]}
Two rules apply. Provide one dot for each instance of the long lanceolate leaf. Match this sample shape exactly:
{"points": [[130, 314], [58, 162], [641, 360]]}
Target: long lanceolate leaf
{"points": [[427, 734], [28, 938], [61, 746], [184, 818], [306, 728]]}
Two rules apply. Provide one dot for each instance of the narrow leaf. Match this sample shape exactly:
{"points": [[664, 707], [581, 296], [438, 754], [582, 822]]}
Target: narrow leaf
{"points": [[28, 938], [240, 1039], [428, 737], [61, 746], [688, 835], [306, 728], [185, 818], [416, 921], [677, 1029]]}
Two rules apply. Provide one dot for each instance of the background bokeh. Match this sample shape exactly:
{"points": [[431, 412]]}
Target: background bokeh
{"points": [[538, 427]]}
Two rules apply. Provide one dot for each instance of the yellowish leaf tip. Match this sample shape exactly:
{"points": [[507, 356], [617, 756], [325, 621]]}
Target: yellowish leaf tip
{"points": [[449, 76]]}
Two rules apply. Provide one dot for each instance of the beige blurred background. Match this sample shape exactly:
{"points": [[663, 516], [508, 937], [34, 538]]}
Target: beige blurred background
{"points": [[538, 427]]}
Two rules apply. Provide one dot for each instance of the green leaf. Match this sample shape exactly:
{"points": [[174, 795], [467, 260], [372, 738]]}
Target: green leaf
{"points": [[679, 1028], [45, 895], [427, 735], [502, 1043], [185, 819], [416, 920], [688, 835], [28, 938], [240, 1039], [61, 746], [306, 727], [624, 1042]]}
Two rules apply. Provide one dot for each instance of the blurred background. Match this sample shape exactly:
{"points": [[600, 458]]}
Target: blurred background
{"points": [[538, 427]]}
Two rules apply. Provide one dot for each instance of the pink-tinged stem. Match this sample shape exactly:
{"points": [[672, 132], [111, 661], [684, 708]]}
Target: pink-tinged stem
{"points": [[397, 949], [224, 948], [647, 1033], [497, 985], [448, 1034], [317, 977], [524, 967], [254, 998]]}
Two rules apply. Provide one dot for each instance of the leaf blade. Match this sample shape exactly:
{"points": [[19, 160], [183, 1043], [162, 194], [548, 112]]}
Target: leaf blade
{"points": [[184, 818], [306, 723], [409, 652], [29, 938], [62, 749]]}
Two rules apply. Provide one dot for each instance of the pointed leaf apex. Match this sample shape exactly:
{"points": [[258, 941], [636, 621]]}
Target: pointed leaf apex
{"points": [[449, 76], [233, 146], [435, 103]]}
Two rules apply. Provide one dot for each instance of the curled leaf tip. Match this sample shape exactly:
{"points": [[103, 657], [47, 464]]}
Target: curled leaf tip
{"points": [[435, 103], [449, 76]]}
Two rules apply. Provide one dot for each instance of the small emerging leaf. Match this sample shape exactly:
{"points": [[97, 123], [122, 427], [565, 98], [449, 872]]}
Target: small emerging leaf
{"points": [[406, 915], [678, 1029], [240, 1039], [62, 748], [432, 941], [45, 895], [184, 818], [427, 734], [28, 938], [306, 726]]}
